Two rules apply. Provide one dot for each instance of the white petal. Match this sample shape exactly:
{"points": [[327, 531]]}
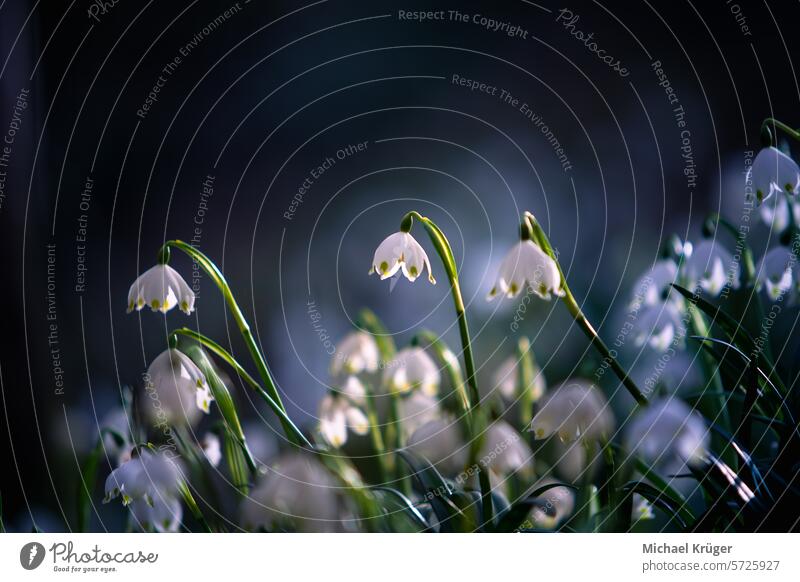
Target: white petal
{"points": [[357, 420]]}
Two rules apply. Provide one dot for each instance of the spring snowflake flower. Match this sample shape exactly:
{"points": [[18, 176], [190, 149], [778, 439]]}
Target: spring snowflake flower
{"points": [[652, 287], [658, 326], [212, 448], [711, 267], [642, 508], [527, 265], [668, 430], [553, 506], [441, 443], [162, 288], [355, 354], [164, 515], [297, 494], [505, 451], [775, 213], [401, 251], [415, 410], [506, 379], [410, 369], [772, 171], [576, 410], [177, 389], [778, 274], [340, 411], [143, 478]]}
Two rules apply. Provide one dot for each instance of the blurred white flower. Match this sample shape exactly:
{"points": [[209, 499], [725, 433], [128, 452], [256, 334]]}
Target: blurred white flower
{"points": [[340, 411], [775, 212], [164, 515], [401, 251], [212, 448], [162, 288], [440, 442], [711, 267], [778, 274], [527, 265], [410, 369], [654, 286], [177, 389], [553, 506], [143, 478], [415, 410], [773, 170], [297, 494], [356, 353], [117, 421], [575, 410], [658, 326], [668, 430], [642, 508], [505, 451], [506, 379]]}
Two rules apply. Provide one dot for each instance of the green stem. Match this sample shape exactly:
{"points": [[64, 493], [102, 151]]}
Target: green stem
{"points": [[445, 253], [577, 314], [375, 433], [769, 121], [244, 328], [293, 433]]}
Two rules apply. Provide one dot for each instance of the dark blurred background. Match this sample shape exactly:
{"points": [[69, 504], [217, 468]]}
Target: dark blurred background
{"points": [[261, 98]]}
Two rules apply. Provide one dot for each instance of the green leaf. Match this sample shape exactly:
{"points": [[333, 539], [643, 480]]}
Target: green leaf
{"points": [[86, 485], [237, 464], [511, 519], [657, 498]]}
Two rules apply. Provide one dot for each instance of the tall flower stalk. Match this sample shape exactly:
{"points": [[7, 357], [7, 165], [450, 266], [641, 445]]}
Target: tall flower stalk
{"points": [[577, 313], [291, 431]]}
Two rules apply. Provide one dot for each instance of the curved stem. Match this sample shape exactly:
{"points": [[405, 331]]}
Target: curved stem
{"points": [[292, 432], [244, 328], [445, 253], [580, 318], [769, 121]]}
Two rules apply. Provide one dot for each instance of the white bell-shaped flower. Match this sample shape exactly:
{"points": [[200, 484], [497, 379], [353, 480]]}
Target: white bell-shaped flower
{"points": [[659, 326], [575, 410], [775, 212], [415, 410], [711, 267], [338, 412], [164, 515], [401, 251], [772, 170], [355, 354], [527, 265], [297, 494], [779, 275], [142, 478], [505, 451], [552, 507], [440, 441], [668, 430], [652, 287], [642, 509], [162, 288], [212, 448], [412, 368], [177, 389], [506, 379]]}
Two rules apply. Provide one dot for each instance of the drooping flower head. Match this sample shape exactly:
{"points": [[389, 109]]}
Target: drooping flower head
{"points": [[659, 326], [666, 432], [779, 274], [652, 287], [440, 442], [401, 251], [410, 369], [176, 388], [355, 354], [506, 380], [772, 171], [162, 288], [526, 265], [711, 267], [574, 410], [143, 477], [343, 410], [505, 451], [297, 494], [777, 211]]}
